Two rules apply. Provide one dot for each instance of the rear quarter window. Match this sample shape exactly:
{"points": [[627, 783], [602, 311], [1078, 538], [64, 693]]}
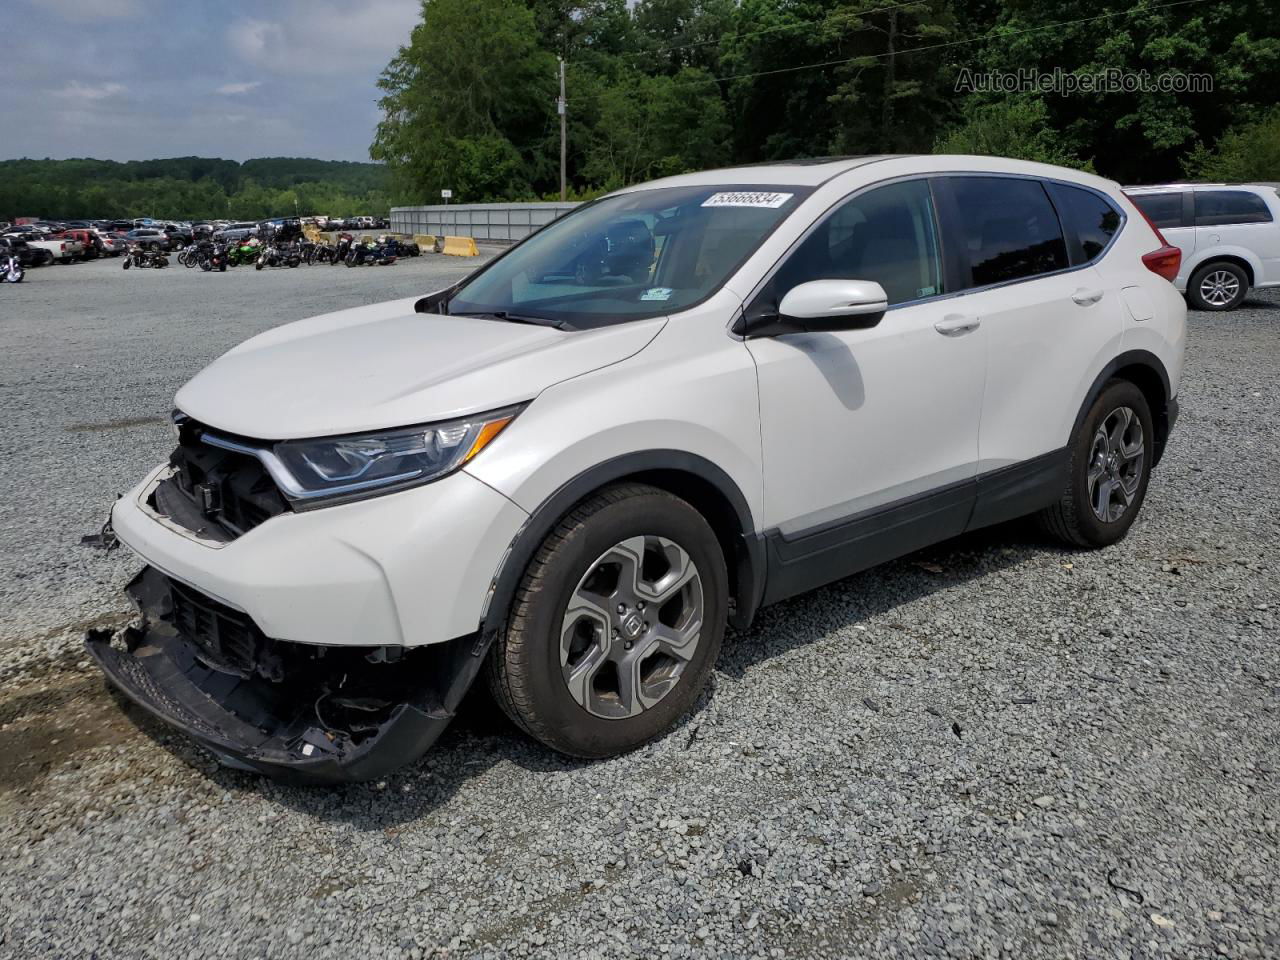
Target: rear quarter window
{"points": [[1089, 221]]}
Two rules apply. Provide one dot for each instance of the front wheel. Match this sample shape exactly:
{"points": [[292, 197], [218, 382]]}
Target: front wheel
{"points": [[1218, 286], [128, 262], [1109, 470], [616, 625]]}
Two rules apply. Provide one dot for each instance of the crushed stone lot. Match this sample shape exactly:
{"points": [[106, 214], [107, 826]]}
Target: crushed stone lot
{"points": [[994, 748]]}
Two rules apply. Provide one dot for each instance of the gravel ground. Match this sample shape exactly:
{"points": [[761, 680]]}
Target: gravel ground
{"points": [[995, 748]]}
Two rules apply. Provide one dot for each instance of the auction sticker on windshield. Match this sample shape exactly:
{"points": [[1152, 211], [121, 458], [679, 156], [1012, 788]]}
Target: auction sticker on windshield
{"points": [[748, 199]]}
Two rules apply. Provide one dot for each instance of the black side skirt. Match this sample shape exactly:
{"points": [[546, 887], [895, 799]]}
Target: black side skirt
{"points": [[820, 555]]}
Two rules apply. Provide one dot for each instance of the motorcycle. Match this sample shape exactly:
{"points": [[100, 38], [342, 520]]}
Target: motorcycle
{"points": [[212, 256], [369, 253], [278, 256], [243, 253], [399, 247], [11, 268], [188, 255], [340, 252], [138, 256]]}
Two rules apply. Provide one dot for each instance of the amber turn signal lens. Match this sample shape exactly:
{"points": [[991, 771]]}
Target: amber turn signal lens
{"points": [[487, 433]]}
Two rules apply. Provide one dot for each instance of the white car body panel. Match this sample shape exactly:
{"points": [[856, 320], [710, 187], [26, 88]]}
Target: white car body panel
{"points": [[370, 572], [386, 366]]}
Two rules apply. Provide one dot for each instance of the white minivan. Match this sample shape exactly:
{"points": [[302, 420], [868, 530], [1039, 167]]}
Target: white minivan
{"points": [[1229, 235], [678, 403]]}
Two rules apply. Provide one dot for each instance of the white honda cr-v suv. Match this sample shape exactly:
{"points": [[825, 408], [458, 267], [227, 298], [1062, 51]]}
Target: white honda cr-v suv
{"points": [[668, 408]]}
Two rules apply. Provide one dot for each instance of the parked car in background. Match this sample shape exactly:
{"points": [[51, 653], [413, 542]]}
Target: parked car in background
{"points": [[839, 362], [28, 255], [113, 245], [1229, 235], [235, 232], [63, 249], [88, 239], [149, 238], [179, 235]]}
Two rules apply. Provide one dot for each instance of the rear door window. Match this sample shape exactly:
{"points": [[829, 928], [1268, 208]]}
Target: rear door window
{"points": [[1089, 221], [1229, 207], [1162, 209], [1008, 230]]}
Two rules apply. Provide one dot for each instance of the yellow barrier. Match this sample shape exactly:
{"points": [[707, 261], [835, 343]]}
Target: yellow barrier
{"points": [[426, 243], [460, 247]]}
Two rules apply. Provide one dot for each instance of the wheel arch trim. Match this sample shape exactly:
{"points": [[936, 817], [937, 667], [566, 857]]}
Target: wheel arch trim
{"points": [[746, 563], [1163, 413]]}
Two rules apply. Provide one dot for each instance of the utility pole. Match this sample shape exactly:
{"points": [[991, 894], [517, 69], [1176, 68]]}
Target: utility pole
{"points": [[560, 106]]}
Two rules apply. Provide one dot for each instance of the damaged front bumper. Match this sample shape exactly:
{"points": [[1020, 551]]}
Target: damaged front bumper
{"points": [[297, 712]]}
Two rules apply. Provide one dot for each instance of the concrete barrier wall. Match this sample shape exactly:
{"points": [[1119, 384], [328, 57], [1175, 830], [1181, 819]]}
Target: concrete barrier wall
{"points": [[487, 222]]}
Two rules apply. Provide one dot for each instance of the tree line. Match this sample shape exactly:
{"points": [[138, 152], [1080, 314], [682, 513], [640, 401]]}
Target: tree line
{"points": [[191, 188], [665, 86]]}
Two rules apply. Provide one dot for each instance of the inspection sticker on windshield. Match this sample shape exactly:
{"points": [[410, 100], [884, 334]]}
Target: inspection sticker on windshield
{"points": [[749, 199], [657, 293]]}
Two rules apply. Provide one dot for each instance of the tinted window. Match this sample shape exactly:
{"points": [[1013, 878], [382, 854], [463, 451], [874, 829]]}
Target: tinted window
{"points": [[1162, 209], [1008, 228], [1224, 207], [1088, 220], [888, 235]]}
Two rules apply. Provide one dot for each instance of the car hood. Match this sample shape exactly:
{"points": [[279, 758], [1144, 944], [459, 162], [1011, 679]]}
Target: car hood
{"points": [[384, 365]]}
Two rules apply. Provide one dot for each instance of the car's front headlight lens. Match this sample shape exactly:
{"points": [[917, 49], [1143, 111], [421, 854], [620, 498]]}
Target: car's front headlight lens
{"points": [[368, 462]]}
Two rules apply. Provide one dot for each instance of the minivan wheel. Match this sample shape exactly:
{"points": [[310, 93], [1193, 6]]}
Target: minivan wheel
{"points": [[1109, 471], [616, 625], [1218, 286]]}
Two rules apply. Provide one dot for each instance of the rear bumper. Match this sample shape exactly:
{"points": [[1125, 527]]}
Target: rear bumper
{"points": [[356, 714]]}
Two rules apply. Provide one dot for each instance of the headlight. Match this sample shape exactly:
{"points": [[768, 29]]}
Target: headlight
{"points": [[342, 466]]}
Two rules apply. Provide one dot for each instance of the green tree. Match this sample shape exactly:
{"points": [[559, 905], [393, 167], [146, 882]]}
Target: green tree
{"points": [[472, 74], [1248, 152], [1009, 128]]}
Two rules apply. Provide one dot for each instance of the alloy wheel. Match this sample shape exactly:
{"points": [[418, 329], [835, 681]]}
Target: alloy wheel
{"points": [[632, 625], [1219, 287], [1116, 461]]}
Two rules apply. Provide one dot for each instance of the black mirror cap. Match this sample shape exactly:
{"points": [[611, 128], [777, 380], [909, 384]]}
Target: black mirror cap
{"points": [[775, 325]]}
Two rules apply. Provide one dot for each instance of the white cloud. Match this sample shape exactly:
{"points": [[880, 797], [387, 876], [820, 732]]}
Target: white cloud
{"points": [[231, 89], [75, 90]]}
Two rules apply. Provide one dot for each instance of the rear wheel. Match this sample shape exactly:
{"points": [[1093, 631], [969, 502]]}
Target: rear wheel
{"points": [[1218, 286], [616, 626], [1109, 471]]}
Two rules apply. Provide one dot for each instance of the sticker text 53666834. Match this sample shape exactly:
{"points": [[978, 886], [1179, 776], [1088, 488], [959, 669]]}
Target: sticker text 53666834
{"points": [[749, 198]]}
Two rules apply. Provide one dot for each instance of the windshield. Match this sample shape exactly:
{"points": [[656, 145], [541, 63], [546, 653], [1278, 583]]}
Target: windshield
{"points": [[631, 256]]}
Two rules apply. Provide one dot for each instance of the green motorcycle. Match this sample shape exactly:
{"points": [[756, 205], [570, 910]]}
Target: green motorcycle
{"points": [[243, 253]]}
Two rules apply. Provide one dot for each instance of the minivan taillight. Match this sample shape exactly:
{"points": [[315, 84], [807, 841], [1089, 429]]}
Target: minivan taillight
{"points": [[1165, 260]]}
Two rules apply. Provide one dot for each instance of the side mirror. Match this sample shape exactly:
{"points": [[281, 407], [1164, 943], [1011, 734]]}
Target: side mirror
{"points": [[821, 305], [834, 305]]}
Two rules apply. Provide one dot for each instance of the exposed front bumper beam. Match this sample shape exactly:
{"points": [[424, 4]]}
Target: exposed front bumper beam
{"points": [[337, 715]]}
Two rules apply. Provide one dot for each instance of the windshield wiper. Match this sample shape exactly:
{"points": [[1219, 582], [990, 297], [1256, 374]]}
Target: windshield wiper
{"points": [[510, 317]]}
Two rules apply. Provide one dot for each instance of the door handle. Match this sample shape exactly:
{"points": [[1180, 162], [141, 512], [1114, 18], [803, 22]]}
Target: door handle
{"points": [[957, 324], [1086, 297]]}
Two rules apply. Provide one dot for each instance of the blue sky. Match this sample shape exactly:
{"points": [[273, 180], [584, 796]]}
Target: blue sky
{"points": [[139, 79]]}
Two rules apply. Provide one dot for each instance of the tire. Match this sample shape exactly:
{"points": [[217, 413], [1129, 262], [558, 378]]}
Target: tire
{"points": [[127, 262], [1218, 286], [1076, 518], [526, 668]]}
